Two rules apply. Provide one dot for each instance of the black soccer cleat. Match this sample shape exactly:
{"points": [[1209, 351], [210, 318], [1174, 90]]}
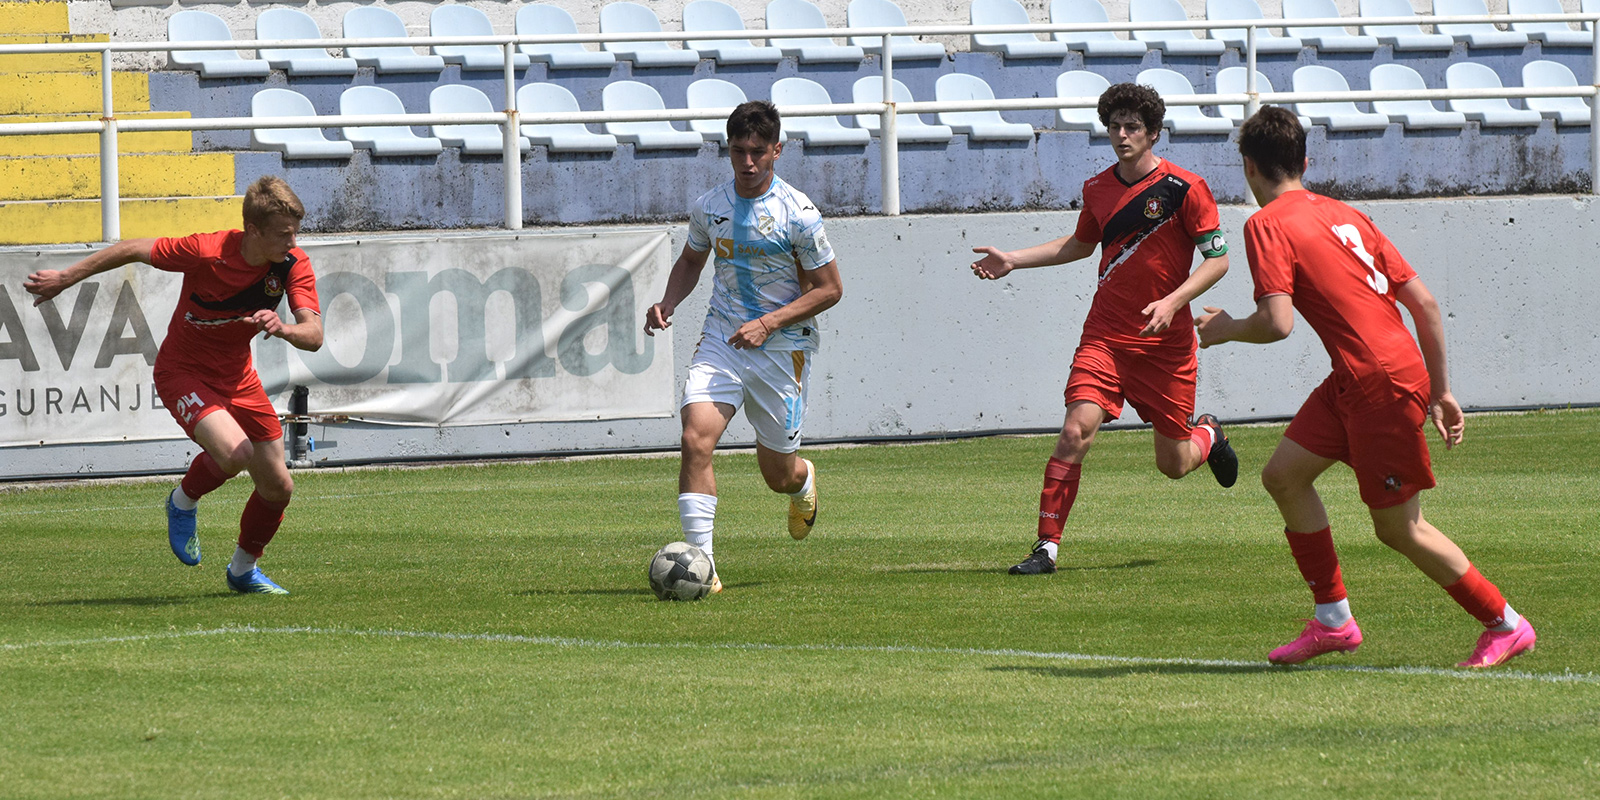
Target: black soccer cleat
{"points": [[1038, 562], [1224, 463]]}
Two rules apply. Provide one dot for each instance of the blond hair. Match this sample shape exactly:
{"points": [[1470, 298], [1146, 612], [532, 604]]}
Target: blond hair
{"points": [[268, 196]]}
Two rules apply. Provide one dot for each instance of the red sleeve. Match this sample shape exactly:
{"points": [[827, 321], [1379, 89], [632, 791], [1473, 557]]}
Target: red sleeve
{"points": [[1394, 266], [1088, 230], [303, 284], [181, 255], [1271, 258], [1199, 212]]}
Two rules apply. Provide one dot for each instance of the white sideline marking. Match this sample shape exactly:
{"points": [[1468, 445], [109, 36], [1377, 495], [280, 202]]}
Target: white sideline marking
{"points": [[562, 641]]}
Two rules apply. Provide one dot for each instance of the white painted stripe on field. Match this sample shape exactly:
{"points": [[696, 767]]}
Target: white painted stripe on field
{"points": [[562, 641]]}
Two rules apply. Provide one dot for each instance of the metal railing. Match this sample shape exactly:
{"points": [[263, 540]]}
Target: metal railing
{"points": [[511, 118]]}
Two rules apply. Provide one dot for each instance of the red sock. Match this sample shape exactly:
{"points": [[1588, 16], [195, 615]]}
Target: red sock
{"points": [[259, 522], [203, 476], [1319, 564], [1203, 437], [1055, 500], [1479, 597]]}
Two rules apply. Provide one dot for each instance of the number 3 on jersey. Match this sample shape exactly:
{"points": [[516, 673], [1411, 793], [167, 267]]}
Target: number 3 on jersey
{"points": [[1351, 237]]}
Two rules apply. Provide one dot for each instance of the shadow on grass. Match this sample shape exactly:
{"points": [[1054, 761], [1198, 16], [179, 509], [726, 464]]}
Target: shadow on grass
{"points": [[163, 600], [955, 570], [643, 590], [1124, 670]]}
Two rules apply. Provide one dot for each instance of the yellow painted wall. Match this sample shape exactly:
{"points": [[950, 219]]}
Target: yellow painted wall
{"points": [[58, 222]]}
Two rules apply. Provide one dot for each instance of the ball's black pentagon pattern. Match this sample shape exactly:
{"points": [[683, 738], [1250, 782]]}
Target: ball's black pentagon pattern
{"points": [[680, 571]]}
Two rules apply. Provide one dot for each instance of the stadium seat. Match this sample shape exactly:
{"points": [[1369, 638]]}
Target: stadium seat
{"points": [[368, 22], [1266, 40], [624, 17], [716, 93], [1402, 37], [907, 127], [1092, 43], [814, 131], [1009, 45], [1552, 34], [1181, 119], [1080, 83], [1590, 7], [1413, 114], [1326, 38], [656, 135], [477, 138], [1475, 34], [1564, 110], [801, 15], [1336, 115], [1231, 80], [459, 20], [383, 140], [1492, 112], [714, 15], [538, 18], [559, 137], [978, 126], [1172, 42], [289, 23], [885, 14], [199, 26], [294, 143]]}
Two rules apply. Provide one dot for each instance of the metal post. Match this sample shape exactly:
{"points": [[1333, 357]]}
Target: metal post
{"points": [[1252, 105], [1594, 117], [889, 154], [511, 154], [110, 192], [299, 409]]}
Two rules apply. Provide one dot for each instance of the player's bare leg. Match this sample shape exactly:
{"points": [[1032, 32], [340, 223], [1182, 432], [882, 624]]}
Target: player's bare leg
{"points": [[1506, 633], [1205, 444], [1060, 487], [703, 425], [788, 473], [1289, 477], [224, 453]]}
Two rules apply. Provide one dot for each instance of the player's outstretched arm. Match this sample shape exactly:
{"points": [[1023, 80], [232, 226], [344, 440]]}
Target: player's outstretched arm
{"points": [[823, 289], [1442, 406], [47, 283], [685, 274], [1272, 320], [996, 263]]}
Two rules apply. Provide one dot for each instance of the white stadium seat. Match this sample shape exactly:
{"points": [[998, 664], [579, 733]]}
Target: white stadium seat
{"points": [[1092, 43], [814, 131], [559, 137], [624, 17], [199, 26], [294, 143], [380, 23], [715, 15], [1010, 45], [716, 93], [1413, 114], [289, 23], [799, 15], [1182, 119], [383, 140], [1564, 110], [1402, 37], [1552, 34], [1232, 81], [1336, 115], [1080, 83], [1475, 34], [1170, 42], [477, 138], [885, 14], [1266, 40], [1326, 38], [534, 19], [977, 125], [1490, 113], [657, 135], [907, 127], [456, 20]]}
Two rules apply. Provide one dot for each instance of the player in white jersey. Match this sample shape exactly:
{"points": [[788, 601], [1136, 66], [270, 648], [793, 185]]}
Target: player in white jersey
{"points": [[774, 272]]}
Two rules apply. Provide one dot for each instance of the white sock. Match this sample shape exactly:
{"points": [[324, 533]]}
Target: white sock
{"points": [[1049, 548], [242, 563], [182, 501], [1509, 621], [698, 512], [810, 475], [1334, 615]]}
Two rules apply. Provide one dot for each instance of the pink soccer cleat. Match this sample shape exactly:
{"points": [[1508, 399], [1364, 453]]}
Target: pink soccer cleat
{"points": [[1317, 639], [1497, 647]]}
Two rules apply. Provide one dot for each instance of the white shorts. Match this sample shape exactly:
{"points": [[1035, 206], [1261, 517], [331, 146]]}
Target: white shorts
{"points": [[769, 384]]}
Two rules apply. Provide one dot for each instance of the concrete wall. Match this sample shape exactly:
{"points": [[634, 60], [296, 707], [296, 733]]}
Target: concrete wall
{"points": [[920, 347]]}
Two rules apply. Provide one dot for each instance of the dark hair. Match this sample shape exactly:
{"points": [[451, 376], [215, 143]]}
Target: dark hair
{"points": [[270, 195], [757, 118], [1275, 142], [1141, 100]]}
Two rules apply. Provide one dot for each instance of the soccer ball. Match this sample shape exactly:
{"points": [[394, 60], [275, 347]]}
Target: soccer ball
{"points": [[680, 571]]}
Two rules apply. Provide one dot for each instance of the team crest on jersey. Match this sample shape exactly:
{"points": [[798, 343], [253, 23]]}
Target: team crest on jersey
{"points": [[1153, 208], [273, 286], [765, 224]]}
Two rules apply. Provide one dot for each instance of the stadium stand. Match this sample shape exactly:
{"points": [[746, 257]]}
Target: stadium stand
{"points": [[907, 127], [715, 93], [381, 23], [1402, 37], [1564, 110], [469, 21], [885, 14], [1231, 80], [537, 18], [1080, 83], [1182, 119], [814, 131], [1091, 43], [1170, 42], [1336, 115], [289, 23], [474, 139], [658, 135], [199, 26], [1266, 40], [1474, 34], [714, 15], [1412, 114], [1326, 38], [624, 17], [979, 126], [559, 137], [1490, 113], [382, 140], [793, 15], [1009, 45], [1550, 34], [294, 143]]}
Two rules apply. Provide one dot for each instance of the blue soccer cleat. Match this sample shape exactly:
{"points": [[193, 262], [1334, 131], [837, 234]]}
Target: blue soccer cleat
{"points": [[181, 533], [253, 582]]}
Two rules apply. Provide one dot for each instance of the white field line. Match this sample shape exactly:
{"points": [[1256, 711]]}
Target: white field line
{"points": [[561, 641]]}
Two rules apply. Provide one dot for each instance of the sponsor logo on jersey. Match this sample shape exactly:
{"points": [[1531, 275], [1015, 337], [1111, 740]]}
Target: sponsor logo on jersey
{"points": [[1153, 208]]}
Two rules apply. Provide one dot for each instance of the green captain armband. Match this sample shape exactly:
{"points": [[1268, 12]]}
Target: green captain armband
{"points": [[1211, 244]]}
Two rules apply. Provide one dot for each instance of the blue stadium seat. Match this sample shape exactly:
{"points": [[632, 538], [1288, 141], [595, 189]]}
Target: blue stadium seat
{"points": [[885, 14], [1009, 45], [457, 20], [1092, 43], [656, 135], [1402, 37], [1475, 34], [294, 143], [715, 15], [383, 140], [1564, 110], [1080, 83], [814, 131], [198, 26], [977, 125], [476, 138], [1336, 115], [1326, 38], [624, 17], [800, 15], [558, 137], [1266, 40], [380, 23], [1413, 114], [534, 19], [289, 23], [1170, 42], [1492, 112], [907, 127]]}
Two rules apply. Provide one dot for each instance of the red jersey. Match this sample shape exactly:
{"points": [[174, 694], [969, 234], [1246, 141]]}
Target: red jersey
{"points": [[1147, 233], [210, 330], [1341, 272]]}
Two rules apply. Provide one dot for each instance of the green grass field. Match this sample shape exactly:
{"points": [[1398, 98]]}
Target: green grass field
{"points": [[488, 632]]}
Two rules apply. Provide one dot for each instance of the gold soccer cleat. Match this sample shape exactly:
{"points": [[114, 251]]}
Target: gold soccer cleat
{"points": [[803, 512]]}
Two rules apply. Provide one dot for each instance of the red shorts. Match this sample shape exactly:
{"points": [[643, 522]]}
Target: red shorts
{"points": [[1157, 381], [1384, 443], [192, 397]]}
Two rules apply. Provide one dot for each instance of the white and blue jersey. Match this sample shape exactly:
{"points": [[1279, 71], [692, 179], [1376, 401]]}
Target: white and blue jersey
{"points": [[761, 244]]}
